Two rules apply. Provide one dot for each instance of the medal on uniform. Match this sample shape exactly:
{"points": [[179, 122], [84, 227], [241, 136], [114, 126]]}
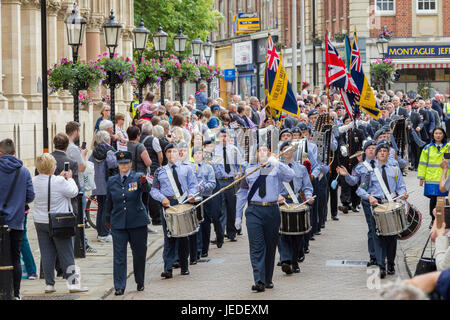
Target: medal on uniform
{"points": [[132, 186]]}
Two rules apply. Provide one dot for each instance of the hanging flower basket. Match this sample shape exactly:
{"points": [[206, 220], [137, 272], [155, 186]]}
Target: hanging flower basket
{"points": [[148, 73], [61, 76], [339, 37], [317, 42], [381, 72], [170, 68], [189, 71], [388, 35], [87, 75], [117, 70]]}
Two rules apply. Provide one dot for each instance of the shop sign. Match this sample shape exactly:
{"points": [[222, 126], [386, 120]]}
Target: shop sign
{"points": [[243, 53], [246, 23], [229, 74], [418, 51]]}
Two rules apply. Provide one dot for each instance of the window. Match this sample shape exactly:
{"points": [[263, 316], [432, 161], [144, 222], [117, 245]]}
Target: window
{"points": [[385, 6], [426, 6]]}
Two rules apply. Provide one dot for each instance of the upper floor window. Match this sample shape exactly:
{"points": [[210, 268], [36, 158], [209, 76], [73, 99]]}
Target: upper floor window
{"points": [[385, 6], [426, 6]]}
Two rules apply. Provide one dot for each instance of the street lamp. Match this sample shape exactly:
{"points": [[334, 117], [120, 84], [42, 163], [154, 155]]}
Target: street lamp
{"points": [[76, 27], [160, 43], [197, 45], [382, 46], [112, 29], [179, 42], [207, 51], [140, 37]]}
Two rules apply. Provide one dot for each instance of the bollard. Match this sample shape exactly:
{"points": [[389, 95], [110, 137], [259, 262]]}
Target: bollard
{"points": [[79, 249], [6, 268]]}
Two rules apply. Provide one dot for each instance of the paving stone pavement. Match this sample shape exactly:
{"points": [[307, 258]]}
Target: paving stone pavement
{"points": [[228, 275]]}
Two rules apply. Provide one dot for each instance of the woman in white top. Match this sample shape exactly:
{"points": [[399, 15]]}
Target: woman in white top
{"points": [[62, 189], [122, 137]]}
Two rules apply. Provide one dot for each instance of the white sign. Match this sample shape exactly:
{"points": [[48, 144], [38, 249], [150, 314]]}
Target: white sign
{"points": [[243, 53]]}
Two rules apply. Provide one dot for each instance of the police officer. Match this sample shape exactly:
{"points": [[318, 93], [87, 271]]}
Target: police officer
{"points": [[128, 220], [170, 184], [372, 190], [204, 173], [134, 113], [261, 190], [290, 246], [359, 171]]}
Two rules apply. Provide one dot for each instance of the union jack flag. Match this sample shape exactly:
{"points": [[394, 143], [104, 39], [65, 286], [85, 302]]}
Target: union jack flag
{"points": [[337, 75], [272, 56], [356, 58]]}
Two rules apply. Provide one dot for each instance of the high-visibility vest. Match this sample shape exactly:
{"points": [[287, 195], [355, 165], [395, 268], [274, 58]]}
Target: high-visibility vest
{"points": [[134, 104], [447, 109]]}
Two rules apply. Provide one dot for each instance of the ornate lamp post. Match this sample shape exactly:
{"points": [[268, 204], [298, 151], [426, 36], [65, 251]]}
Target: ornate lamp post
{"points": [[382, 46], [112, 29], [207, 51], [76, 28], [197, 45], [160, 42], [140, 37], [179, 42]]}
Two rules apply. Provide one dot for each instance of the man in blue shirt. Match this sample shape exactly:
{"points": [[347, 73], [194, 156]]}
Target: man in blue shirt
{"points": [[201, 99]]}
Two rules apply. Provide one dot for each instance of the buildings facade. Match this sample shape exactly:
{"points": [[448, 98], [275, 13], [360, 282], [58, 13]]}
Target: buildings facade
{"points": [[20, 67]]}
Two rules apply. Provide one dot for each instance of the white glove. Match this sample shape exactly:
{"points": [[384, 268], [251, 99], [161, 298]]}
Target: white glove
{"points": [[238, 223], [273, 161]]}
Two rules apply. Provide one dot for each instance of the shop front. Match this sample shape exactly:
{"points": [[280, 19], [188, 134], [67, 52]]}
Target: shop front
{"points": [[421, 66], [227, 85], [243, 60]]}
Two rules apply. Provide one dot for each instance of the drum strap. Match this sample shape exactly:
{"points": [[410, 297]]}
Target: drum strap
{"points": [[174, 186], [382, 184], [291, 192]]}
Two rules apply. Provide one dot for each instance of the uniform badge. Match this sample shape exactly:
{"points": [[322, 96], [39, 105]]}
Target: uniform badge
{"points": [[132, 186]]}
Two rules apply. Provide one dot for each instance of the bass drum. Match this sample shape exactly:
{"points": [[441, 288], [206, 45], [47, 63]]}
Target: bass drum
{"points": [[413, 220]]}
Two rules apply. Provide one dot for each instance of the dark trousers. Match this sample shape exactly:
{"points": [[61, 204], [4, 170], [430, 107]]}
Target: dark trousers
{"points": [[415, 154], [322, 205], [433, 201], [229, 204], [333, 194], [263, 226], [102, 230], [290, 248], [388, 249], [137, 237], [15, 237], [314, 213], [212, 214], [154, 207], [171, 244], [193, 247], [371, 234], [447, 128]]}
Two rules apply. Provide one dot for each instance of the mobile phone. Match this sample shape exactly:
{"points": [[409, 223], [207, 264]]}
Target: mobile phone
{"points": [[447, 155], [83, 145], [66, 166]]}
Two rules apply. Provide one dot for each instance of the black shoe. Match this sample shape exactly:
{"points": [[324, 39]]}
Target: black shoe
{"points": [[119, 292], [344, 209], [259, 287], [219, 244], [185, 272], [307, 251], [167, 274], [156, 223], [318, 233], [269, 286], [204, 254], [335, 218], [176, 265], [213, 241], [312, 238], [279, 264], [411, 168], [301, 259], [233, 239], [322, 226], [390, 269], [239, 232], [193, 263], [372, 262], [296, 269], [382, 273], [286, 268], [354, 209], [140, 287]]}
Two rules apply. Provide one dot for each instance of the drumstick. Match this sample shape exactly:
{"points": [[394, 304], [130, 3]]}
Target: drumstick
{"points": [[284, 202], [408, 193], [356, 155], [306, 201], [188, 198]]}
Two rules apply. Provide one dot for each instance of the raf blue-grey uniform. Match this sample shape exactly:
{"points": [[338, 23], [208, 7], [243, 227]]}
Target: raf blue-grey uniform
{"points": [[291, 246], [204, 173], [228, 197], [263, 217], [360, 171], [386, 247], [126, 213], [163, 189]]}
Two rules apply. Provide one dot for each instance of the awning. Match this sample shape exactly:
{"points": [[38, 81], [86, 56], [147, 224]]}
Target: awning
{"points": [[421, 63]]}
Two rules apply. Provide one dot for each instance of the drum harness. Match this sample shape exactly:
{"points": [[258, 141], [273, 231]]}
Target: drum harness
{"points": [[179, 197]]}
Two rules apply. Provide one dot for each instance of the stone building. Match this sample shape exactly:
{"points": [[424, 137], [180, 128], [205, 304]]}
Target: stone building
{"points": [[20, 67]]}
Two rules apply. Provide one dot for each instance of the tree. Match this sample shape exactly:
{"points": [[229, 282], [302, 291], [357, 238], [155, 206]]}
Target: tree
{"points": [[195, 17]]}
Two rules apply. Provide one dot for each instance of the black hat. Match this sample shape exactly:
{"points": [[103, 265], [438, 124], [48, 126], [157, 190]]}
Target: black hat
{"points": [[124, 156], [302, 126], [313, 112], [383, 144], [339, 107], [296, 130], [368, 144], [207, 142], [284, 131], [223, 130], [169, 146], [285, 144]]}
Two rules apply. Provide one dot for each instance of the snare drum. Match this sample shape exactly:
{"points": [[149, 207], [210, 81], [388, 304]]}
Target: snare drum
{"points": [[414, 219], [295, 219], [390, 218], [199, 211], [181, 220]]}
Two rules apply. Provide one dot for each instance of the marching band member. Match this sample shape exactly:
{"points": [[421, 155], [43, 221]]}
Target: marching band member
{"points": [[171, 184], [261, 191], [128, 220], [380, 185], [206, 184], [359, 171], [291, 245]]}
